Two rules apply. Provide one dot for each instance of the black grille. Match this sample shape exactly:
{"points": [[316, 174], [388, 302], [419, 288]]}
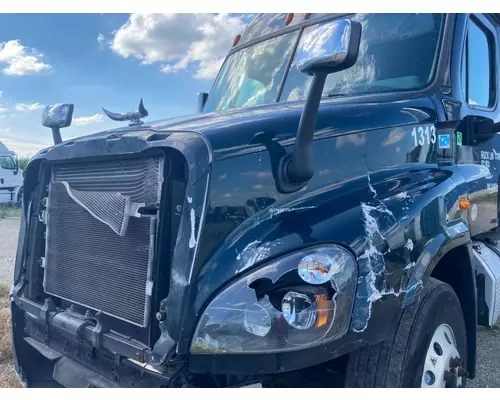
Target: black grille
{"points": [[87, 262]]}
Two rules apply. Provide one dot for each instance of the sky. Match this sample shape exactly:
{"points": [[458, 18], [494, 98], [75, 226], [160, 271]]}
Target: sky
{"points": [[104, 60]]}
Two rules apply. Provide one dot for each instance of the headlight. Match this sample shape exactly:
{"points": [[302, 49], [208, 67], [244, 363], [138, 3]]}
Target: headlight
{"points": [[300, 300]]}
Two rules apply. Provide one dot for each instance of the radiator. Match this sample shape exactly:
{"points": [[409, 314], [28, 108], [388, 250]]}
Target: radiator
{"points": [[99, 250]]}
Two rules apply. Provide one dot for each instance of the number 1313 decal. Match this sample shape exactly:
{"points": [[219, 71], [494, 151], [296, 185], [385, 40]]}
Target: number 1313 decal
{"points": [[424, 135]]}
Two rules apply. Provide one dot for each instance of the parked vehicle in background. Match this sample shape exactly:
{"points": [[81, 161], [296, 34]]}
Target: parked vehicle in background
{"points": [[333, 206], [11, 177]]}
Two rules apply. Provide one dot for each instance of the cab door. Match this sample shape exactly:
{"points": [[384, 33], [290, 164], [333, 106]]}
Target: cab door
{"points": [[478, 90]]}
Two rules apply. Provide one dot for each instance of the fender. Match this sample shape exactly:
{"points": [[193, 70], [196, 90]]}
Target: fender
{"points": [[454, 234], [368, 214]]}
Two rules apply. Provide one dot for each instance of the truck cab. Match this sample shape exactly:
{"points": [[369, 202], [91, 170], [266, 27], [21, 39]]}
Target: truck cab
{"points": [[11, 179], [328, 217]]}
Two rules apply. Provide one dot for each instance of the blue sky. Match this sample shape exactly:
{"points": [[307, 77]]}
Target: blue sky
{"points": [[109, 60]]}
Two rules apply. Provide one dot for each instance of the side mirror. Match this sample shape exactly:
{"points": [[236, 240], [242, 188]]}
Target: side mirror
{"points": [[16, 162], [477, 130], [57, 116], [201, 99], [328, 48]]}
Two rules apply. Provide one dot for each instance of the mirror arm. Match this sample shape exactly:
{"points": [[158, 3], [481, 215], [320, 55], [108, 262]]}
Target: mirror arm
{"points": [[56, 134], [297, 168]]}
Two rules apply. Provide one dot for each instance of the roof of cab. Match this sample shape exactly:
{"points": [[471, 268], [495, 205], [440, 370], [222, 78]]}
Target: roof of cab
{"points": [[3, 148], [265, 24]]}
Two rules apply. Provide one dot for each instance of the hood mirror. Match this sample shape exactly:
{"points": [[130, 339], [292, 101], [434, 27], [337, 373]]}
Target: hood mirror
{"points": [[57, 116], [328, 48]]}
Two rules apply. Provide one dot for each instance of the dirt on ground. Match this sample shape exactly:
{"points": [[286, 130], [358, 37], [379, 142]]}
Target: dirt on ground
{"points": [[9, 232], [8, 378]]}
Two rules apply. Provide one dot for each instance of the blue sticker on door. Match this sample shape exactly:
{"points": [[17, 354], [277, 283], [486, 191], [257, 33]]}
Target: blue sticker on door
{"points": [[444, 141]]}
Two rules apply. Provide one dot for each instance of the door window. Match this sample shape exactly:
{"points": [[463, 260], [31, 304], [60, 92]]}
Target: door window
{"points": [[479, 56]]}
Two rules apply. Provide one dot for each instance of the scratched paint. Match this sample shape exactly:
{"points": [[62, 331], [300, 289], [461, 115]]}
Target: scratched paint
{"points": [[253, 253], [192, 238], [372, 259]]}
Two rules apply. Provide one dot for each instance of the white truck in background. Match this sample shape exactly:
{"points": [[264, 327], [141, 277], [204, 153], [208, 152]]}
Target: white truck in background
{"points": [[11, 177]]}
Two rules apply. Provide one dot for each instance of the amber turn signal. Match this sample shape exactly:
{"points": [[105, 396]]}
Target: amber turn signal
{"points": [[322, 307], [464, 204], [288, 19]]}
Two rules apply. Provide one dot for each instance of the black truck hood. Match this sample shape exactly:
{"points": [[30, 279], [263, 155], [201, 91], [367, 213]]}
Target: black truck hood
{"points": [[233, 132]]}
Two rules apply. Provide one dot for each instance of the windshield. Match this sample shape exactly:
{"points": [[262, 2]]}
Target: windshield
{"points": [[397, 52], [253, 75], [7, 162]]}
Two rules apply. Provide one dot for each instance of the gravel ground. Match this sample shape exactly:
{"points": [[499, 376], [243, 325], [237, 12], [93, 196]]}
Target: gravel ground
{"points": [[488, 360], [9, 231]]}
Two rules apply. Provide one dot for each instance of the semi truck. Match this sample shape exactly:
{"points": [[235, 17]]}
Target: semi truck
{"points": [[327, 217], [11, 179]]}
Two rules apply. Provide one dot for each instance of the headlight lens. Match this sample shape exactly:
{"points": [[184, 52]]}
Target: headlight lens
{"points": [[298, 310], [300, 300]]}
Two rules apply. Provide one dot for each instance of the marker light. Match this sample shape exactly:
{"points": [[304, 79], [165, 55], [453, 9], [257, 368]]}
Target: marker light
{"points": [[464, 204], [236, 40], [288, 19]]}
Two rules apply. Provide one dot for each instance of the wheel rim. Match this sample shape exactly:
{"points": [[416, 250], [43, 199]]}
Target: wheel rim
{"points": [[443, 366]]}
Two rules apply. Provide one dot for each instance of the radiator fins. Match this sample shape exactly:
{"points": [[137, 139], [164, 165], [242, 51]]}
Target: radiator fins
{"points": [[88, 261]]}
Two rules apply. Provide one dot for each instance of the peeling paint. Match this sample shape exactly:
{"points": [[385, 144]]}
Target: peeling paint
{"points": [[372, 258], [404, 196], [372, 189], [178, 279], [410, 266], [190, 200], [192, 239], [409, 245], [273, 212]]}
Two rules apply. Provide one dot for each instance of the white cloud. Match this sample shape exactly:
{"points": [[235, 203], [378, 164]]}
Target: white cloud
{"points": [[1, 92], [93, 119], [23, 147], [3, 109], [20, 60], [101, 39], [178, 40], [21, 107]]}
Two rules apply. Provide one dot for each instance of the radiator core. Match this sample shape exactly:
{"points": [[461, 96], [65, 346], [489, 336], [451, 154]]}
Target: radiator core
{"points": [[86, 261]]}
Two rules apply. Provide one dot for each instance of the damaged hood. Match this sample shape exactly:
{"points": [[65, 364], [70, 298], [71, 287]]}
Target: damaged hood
{"points": [[234, 132]]}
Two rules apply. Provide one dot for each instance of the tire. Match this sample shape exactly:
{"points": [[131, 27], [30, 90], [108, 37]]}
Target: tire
{"points": [[399, 360], [19, 199]]}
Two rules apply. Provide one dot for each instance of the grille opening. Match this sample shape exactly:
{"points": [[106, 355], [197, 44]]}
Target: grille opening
{"points": [[87, 262]]}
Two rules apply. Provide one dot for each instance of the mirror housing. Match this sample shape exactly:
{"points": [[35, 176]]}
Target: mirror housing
{"points": [[57, 116], [329, 48], [477, 130], [201, 99], [16, 161]]}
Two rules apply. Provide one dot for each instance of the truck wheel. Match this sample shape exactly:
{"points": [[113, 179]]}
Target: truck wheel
{"points": [[428, 348], [19, 199]]}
